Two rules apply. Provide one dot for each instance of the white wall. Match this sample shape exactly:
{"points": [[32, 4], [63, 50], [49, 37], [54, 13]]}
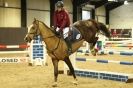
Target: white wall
{"points": [[100, 13], [39, 15], [69, 7], [10, 17], [13, 3], [100, 16], [44, 15], [39, 9], [38, 4], [122, 17]]}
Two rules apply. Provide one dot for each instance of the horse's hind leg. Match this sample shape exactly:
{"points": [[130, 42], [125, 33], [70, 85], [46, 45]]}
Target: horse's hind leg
{"points": [[69, 64], [92, 44], [55, 64]]}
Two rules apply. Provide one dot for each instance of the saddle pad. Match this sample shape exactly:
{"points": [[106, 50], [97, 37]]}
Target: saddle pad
{"points": [[75, 35]]}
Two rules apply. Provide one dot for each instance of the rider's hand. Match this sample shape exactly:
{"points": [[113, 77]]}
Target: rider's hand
{"points": [[54, 27]]}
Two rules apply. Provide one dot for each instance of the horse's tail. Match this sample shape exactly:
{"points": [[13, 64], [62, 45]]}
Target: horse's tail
{"points": [[104, 29]]}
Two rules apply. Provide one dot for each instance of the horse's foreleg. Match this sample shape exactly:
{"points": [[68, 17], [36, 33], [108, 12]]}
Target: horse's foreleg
{"points": [[55, 64], [92, 45], [69, 64]]}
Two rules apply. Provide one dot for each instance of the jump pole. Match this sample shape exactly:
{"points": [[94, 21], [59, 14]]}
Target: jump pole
{"points": [[123, 41], [16, 59], [121, 77]]}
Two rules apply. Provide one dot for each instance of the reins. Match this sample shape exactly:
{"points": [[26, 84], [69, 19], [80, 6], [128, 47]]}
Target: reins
{"points": [[52, 50]]}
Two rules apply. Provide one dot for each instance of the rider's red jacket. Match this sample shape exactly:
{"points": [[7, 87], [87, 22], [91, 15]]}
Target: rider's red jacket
{"points": [[61, 19]]}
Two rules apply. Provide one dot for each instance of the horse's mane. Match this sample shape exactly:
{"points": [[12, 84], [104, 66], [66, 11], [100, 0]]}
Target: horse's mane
{"points": [[43, 24], [96, 23], [46, 26], [87, 27], [101, 26]]}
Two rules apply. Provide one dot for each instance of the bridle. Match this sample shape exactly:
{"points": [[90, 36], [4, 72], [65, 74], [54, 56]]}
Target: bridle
{"points": [[36, 34]]}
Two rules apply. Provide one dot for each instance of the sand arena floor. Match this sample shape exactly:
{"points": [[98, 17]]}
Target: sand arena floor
{"points": [[24, 76]]}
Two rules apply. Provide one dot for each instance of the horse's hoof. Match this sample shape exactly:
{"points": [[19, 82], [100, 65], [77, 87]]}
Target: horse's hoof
{"points": [[75, 82], [54, 84], [94, 52]]}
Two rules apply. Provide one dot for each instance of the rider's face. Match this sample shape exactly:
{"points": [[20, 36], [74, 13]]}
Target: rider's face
{"points": [[59, 8]]}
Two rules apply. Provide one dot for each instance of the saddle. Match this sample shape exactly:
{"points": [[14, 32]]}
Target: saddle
{"points": [[74, 35]]}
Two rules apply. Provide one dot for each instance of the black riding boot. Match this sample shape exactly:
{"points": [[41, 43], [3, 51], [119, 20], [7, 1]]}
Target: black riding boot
{"points": [[68, 45]]}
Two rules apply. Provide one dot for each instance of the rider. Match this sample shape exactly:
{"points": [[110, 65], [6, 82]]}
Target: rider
{"points": [[61, 22]]}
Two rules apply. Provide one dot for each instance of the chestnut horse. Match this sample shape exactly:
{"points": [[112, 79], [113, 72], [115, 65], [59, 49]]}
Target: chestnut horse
{"points": [[57, 47]]}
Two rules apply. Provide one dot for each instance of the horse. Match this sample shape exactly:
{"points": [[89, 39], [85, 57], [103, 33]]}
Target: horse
{"points": [[57, 47]]}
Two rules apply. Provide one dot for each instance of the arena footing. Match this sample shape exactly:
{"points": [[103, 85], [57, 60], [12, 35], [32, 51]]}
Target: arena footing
{"points": [[121, 77]]}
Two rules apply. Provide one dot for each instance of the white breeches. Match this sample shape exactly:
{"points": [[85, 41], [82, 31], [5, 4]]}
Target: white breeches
{"points": [[65, 31]]}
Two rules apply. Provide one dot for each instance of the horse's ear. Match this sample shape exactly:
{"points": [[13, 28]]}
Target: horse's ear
{"points": [[34, 19]]}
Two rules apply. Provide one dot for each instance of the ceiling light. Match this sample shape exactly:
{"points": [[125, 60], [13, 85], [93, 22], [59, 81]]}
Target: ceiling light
{"points": [[113, 0], [6, 4], [125, 2]]}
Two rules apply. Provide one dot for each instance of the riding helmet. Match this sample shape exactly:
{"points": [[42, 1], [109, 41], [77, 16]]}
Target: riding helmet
{"points": [[60, 4]]}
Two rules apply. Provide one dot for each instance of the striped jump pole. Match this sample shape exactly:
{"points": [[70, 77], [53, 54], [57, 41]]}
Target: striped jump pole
{"points": [[16, 59], [36, 52], [105, 61], [123, 43], [23, 46], [126, 53], [128, 46], [121, 77], [116, 52], [121, 38]]}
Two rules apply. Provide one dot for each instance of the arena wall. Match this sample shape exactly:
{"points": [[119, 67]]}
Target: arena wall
{"points": [[121, 17]]}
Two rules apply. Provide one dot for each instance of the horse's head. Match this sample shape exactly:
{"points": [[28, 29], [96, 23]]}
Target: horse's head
{"points": [[33, 31], [104, 29]]}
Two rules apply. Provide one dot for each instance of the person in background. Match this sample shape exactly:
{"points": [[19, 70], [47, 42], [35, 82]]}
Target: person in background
{"points": [[114, 33], [62, 23]]}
